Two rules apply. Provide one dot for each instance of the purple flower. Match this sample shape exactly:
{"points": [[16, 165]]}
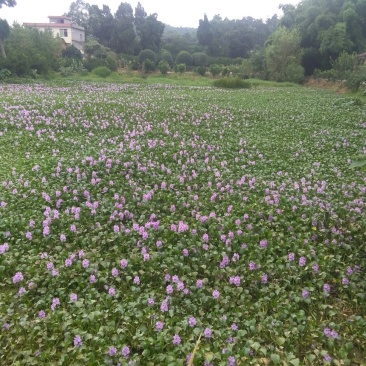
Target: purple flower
{"points": [[92, 279], [176, 339], [199, 283], [234, 326], [150, 301], [263, 243], [123, 263], [159, 326], [327, 358], [18, 277], [207, 333], [345, 281], [305, 294], [114, 272], [55, 303], [302, 261], [73, 297], [192, 321], [326, 287], [291, 257], [215, 294], [111, 291], [112, 351], [41, 314], [85, 263], [169, 289], [77, 341], [264, 278], [252, 266], [164, 306], [125, 351], [136, 280], [231, 361], [62, 237]]}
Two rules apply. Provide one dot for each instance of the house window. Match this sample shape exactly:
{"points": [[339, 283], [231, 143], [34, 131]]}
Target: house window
{"points": [[63, 32]]}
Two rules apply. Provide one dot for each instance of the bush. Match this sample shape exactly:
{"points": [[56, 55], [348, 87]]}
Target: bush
{"points": [[148, 66], [184, 57], [163, 67], [199, 59], [147, 54], [102, 71], [4, 74], [201, 70], [166, 56], [225, 71], [232, 83], [295, 73], [215, 69], [181, 68]]}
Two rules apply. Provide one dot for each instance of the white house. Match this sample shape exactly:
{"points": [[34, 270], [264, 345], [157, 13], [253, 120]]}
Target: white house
{"points": [[63, 26]]}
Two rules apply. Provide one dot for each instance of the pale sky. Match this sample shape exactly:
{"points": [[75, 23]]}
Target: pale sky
{"points": [[183, 13]]}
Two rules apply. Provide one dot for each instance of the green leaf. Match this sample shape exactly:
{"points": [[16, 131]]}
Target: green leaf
{"points": [[295, 362], [275, 358]]}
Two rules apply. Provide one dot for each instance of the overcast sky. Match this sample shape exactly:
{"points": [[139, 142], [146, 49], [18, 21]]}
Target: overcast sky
{"points": [[182, 13]]}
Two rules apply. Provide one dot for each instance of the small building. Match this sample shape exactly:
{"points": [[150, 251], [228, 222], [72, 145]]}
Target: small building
{"points": [[63, 27]]}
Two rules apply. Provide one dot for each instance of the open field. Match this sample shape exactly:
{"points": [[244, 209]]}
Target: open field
{"points": [[133, 218]]}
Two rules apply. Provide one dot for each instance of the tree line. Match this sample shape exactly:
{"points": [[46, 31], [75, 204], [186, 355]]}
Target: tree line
{"points": [[307, 39]]}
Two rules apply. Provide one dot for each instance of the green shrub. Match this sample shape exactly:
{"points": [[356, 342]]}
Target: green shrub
{"points": [[4, 74], [166, 56], [163, 67], [232, 83], [147, 54], [199, 59], [215, 69], [181, 68], [102, 71], [184, 57], [201, 70], [148, 66], [225, 71]]}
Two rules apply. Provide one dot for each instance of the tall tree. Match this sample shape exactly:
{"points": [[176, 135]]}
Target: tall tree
{"points": [[4, 33], [151, 33], [283, 55], [123, 38], [140, 17], [78, 12]]}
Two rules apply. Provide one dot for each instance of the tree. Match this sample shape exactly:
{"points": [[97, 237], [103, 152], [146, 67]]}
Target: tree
{"points": [[283, 55], [199, 59], [147, 55], [29, 51], [78, 12], [184, 57], [151, 33], [9, 3], [4, 33], [123, 39], [204, 32]]}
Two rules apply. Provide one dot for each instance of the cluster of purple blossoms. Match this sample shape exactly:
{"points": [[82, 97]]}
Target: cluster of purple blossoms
{"points": [[55, 303], [125, 351], [159, 326], [18, 277], [176, 339], [234, 280], [215, 294], [77, 341], [330, 333], [4, 248]]}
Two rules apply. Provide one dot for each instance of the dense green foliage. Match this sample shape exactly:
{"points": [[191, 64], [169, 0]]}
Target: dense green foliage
{"points": [[31, 52], [326, 28], [134, 218], [102, 71], [232, 83]]}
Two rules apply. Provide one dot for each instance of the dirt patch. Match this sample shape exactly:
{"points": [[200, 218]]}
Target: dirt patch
{"points": [[335, 86]]}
